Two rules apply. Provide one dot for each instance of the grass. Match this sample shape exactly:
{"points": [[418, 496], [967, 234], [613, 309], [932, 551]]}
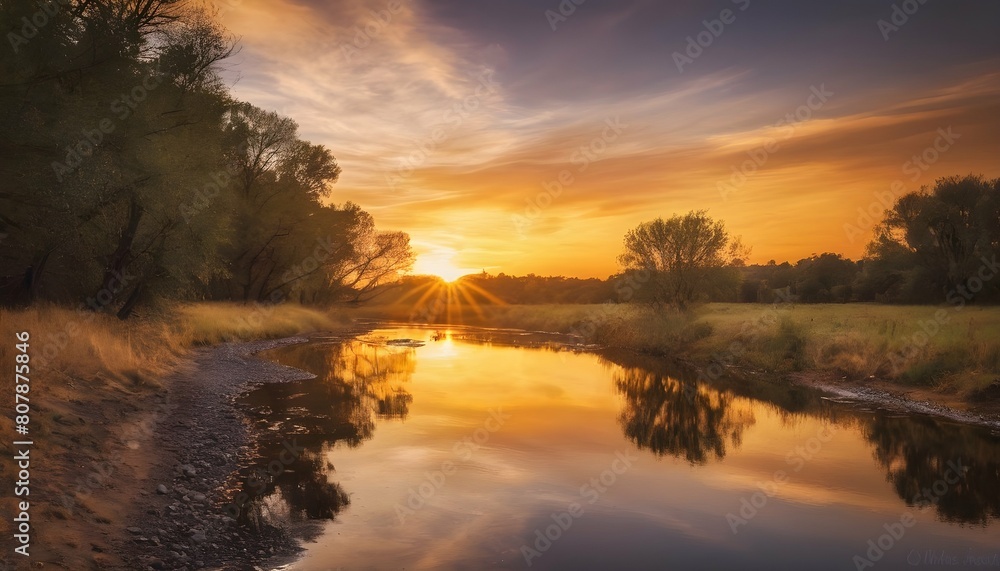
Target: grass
{"points": [[83, 346], [912, 345], [91, 375]]}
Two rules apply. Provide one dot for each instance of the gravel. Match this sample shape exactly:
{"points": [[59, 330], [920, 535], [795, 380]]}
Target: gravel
{"points": [[202, 440]]}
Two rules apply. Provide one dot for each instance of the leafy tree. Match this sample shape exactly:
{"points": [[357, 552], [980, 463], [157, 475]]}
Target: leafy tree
{"points": [[682, 256], [128, 174], [934, 242], [101, 153]]}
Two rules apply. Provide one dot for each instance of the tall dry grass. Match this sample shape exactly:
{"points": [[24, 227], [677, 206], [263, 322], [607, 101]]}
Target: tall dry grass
{"points": [[84, 346]]}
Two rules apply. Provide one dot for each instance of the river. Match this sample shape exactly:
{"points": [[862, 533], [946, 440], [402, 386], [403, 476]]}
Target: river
{"points": [[478, 449]]}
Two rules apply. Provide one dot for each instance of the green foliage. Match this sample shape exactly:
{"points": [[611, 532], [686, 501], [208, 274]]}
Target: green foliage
{"points": [[933, 243], [128, 174], [684, 256]]}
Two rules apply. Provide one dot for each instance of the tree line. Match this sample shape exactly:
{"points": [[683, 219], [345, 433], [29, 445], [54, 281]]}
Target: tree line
{"points": [[129, 173], [936, 245]]}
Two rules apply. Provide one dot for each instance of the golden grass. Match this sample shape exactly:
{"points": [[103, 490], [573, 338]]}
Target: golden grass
{"points": [[84, 346]]}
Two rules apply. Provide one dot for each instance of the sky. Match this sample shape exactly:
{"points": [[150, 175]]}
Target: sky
{"points": [[528, 136]]}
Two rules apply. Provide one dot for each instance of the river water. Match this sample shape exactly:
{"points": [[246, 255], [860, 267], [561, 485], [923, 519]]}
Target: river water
{"points": [[479, 449]]}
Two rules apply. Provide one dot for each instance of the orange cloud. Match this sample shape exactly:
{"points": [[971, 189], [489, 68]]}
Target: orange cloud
{"points": [[435, 140]]}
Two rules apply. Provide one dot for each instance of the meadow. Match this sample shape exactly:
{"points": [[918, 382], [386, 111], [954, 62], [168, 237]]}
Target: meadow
{"points": [[945, 348]]}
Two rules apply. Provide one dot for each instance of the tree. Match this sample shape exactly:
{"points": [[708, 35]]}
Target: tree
{"points": [[377, 257], [934, 242], [684, 257], [100, 152], [129, 174]]}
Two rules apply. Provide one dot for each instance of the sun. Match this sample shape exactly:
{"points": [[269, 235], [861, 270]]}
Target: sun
{"points": [[440, 262]]}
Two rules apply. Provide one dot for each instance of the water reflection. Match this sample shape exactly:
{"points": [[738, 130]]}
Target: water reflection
{"points": [[677, 418], [568, 414], [357, 383], [917, 452], [668, 413]]}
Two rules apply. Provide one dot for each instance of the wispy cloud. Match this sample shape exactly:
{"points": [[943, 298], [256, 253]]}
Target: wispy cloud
{"points": [[398, 96]]}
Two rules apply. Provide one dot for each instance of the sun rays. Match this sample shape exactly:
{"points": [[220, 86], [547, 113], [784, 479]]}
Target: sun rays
{"points": [[450, 302]]}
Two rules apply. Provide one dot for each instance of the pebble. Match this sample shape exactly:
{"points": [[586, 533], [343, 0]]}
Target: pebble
{"points": [[203, 450]]}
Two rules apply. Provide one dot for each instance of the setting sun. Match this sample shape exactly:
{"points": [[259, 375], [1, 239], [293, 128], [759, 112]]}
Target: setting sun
{"points": [[440, 262]]}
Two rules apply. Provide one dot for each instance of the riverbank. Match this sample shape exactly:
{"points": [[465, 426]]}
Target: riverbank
{"points": [[107, 398], [182, 515]]}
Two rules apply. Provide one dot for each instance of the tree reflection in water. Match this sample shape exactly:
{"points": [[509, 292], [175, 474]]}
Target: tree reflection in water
{"points": [[916, 452], [671, 417], [664, 411], [356, 385]]}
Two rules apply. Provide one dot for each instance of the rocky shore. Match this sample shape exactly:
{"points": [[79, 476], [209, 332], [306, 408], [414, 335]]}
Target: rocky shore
{"points": [[180, 519]]}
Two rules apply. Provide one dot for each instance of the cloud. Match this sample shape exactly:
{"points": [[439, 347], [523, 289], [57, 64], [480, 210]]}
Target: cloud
{"points": [[431, 147]]}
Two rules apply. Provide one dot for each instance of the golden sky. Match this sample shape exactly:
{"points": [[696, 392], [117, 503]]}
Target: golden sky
{"points": [[453, 119]]}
